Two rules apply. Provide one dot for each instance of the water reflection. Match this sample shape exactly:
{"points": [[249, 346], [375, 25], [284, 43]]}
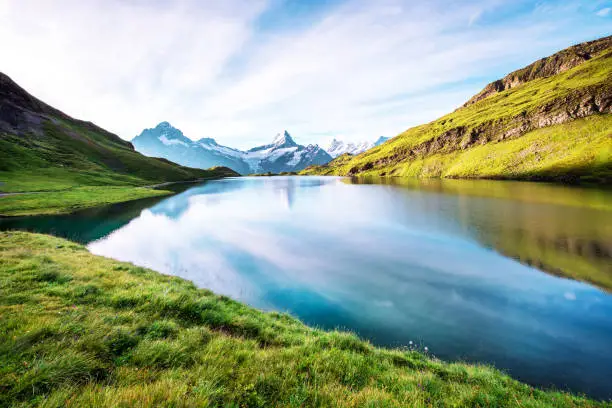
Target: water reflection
{"points": [[212, 234], [83, 226], [565, 231]]}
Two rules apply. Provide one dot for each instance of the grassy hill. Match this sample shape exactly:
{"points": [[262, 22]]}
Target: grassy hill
{"points": [[43, 149], [83, 330], [548, 121]]}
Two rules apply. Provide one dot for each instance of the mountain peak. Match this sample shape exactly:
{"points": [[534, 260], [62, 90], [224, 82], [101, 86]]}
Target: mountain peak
{"points": [[338, 147], [335, 144], [165, 133], [168, 131], [283, 139], [163, 125]]}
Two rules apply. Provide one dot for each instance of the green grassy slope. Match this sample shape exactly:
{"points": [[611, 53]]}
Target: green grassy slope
{"points": [[75, 163], [549, 121], [83, 330], [42, 148], [57, 161], [67, 201]]}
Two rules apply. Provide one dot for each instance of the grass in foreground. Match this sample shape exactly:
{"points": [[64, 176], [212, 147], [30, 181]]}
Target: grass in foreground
{"points": [[67, 201], [83, 330]]}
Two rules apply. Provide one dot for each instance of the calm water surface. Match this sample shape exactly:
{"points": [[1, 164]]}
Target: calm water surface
{"points": [[474, 270]]}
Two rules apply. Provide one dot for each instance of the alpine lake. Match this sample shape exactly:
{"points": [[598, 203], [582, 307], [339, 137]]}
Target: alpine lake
{"points": [[517, 275]]}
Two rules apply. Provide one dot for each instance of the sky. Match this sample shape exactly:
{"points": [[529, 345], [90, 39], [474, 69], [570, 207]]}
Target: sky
{"points": [[240, 71]]}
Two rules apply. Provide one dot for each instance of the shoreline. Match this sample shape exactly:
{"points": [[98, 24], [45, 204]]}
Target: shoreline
{"points": [[82, 311], [60, 201]]}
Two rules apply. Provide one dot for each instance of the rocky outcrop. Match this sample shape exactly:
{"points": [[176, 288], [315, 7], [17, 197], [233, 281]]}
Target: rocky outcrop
{"points": [[546, 67]]}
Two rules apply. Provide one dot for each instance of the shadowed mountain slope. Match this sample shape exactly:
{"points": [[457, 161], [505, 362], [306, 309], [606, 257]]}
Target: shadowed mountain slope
{"points": [[42, 148]]}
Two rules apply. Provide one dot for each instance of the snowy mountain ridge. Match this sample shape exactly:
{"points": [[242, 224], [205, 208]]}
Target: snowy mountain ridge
{"points": [[282, 155]]}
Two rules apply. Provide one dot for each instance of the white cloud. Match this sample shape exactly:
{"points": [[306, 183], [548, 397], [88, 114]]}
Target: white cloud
{"points": [[360, 69], [125, 65], [604, 12]]}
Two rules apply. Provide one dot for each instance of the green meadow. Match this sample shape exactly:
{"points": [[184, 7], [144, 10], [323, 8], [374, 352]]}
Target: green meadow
{"points": [[74, 199]]}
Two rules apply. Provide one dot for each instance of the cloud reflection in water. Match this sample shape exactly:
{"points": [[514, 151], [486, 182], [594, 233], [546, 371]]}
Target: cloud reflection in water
{"points": [[390, 263]]}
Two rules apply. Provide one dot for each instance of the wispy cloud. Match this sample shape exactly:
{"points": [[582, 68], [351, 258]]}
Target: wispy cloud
{"points": [[239, 70]]}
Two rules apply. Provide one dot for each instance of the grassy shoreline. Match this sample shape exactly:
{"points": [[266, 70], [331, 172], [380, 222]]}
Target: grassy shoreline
{"points": [[67, 201], [83, 330], [75, 198]]}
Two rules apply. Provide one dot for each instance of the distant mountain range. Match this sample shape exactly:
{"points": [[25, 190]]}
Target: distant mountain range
{"points": [[282, 155], [339, 147], [168, 142]]}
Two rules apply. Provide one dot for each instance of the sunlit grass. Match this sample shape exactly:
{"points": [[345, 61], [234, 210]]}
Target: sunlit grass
{"points": [[579, 150], [67, 201], [83, 330]]}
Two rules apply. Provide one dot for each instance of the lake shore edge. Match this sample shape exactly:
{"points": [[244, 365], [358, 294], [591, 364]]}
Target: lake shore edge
{"points": [[82, 329], [70, 200]]}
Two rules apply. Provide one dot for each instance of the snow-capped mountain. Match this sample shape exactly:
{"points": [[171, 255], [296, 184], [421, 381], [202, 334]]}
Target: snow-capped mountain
{"points": [[168, 142], [339, 147], [283, 154]]}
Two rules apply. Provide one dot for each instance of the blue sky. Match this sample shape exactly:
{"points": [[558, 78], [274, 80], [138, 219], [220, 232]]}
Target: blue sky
{"points": [[242, 70]]}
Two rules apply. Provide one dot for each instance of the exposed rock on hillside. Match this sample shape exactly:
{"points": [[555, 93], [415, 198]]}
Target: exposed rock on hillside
{"points": [[546, 67]]}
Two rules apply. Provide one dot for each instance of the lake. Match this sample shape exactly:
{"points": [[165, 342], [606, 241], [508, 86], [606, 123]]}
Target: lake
{"points": [[517, 275]]}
